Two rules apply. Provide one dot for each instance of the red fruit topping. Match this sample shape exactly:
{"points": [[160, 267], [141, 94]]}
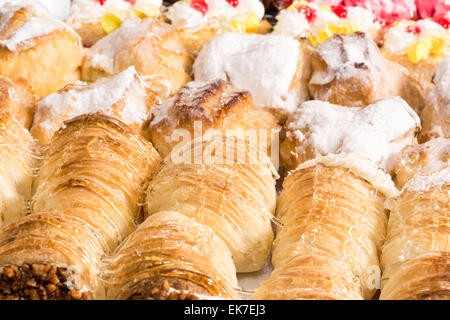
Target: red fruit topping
{"points": [[102, 2], [413, 29], [199, 5], [340, 11], [132, 2], [442, 20], [233, 3], [310, 13]]}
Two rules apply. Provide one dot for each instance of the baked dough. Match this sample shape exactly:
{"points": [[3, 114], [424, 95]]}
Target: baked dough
{"points": [[38, 48], [85, 201], [17, 99], [151, 46], [171, 257]]}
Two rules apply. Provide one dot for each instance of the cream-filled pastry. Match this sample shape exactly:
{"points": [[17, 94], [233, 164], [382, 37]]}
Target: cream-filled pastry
{"points": [[153, 47], [125, 97], [270, 67], [199, 20], [37, 47], [93, 19]]}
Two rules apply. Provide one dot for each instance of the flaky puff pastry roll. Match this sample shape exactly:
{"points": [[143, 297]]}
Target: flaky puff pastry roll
{"points": [[38, 48], [17, 98], [226, 184], [152, 46], [415, 258], [87, 191], [17, 162], [124, 96], [436, 114], [210, 107], [171, 257], [350, 70]]}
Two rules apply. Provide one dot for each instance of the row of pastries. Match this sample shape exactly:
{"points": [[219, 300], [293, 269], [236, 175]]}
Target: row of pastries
{"points": [[96, 96]]}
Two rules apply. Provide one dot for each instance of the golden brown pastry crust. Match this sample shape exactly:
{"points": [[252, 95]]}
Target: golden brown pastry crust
{"points": [[213, 105], [17, 99], [55, 57]]}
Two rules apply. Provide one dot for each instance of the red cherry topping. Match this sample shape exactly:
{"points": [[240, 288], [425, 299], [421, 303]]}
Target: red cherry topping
{"points": [[310, 13], [200, 5], [413, 29], [340, 11], [233, 3], [442, 20], [132, 2], [102, 2]]}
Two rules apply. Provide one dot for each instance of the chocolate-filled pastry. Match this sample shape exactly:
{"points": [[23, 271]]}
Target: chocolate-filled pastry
{"points": [[331, 207], [124, 96], [38, 48], [171, 257], [151, 46], [17, 163], [436, 114], [224, 183], [350, 70], [17, 98], [85, 201], [214, 107], [416, 256]]}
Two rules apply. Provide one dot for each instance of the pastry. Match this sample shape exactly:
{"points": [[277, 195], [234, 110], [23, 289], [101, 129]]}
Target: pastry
{"points": [[224, 183], [94, 19], [350, 70], [85, 202], [199, 20], [415, 258], [270, 67], [124, 96], [17, 163], [151, 46], [387, 11], [17, 98], [210, 107], [320, 128], [30, 36], [171, 257], [331, 207], [436, 114]]}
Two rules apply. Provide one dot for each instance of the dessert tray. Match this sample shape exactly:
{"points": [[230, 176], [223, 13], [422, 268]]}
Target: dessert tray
{"points": [[224, 149]]}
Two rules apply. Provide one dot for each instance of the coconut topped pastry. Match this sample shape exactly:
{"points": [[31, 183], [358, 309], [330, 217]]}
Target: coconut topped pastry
{"points": [[366, 139], [318, 22], [93, 19], [124, 96]]}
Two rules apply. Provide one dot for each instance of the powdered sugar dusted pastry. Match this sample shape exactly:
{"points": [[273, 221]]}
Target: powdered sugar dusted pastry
{"points": [[377, 132], [17, 99], [318, 22], [30, 36], [199, 20], [124, 96], [350, 70], [93, 19], [436, 114], [214, 107], [416, 255], [268, 66], [152, 47]]}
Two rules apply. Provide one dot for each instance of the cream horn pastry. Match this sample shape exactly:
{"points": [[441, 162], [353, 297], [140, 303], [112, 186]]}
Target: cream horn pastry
{"points": [[199, 20], [94, 19], [436, 114], [210, 107], [270, 67], [415, 258], [125, 96], [171, 256], [153, 47], [30, 36], [227, 184], [16, 97], [331, 206], [350, 70], [85, 202], [17, 165]]}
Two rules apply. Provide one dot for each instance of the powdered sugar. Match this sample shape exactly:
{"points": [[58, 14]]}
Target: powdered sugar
{"points": [[441, 79]]}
